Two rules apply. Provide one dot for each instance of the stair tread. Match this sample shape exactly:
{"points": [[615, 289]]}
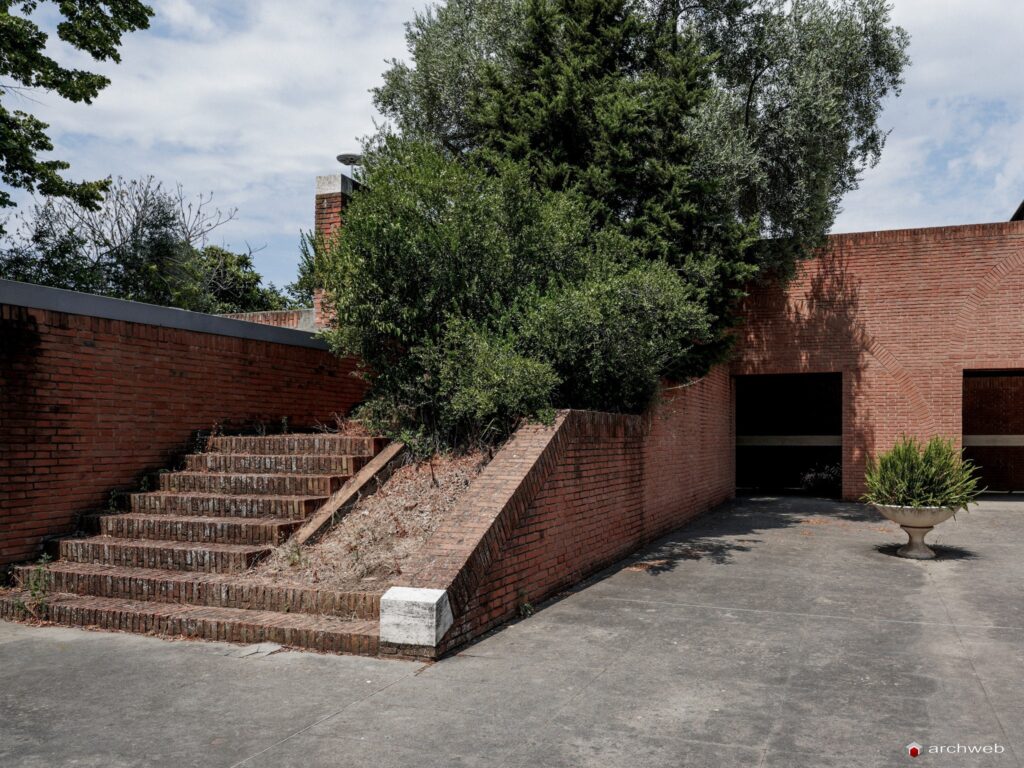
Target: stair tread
{"points": [[200, 612], [124, 571], [170, 544], [261, 474], [201, 520], [229, 454], [262, 496]]}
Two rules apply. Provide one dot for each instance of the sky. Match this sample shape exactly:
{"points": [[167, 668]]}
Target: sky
{"points": [[250, 101]]}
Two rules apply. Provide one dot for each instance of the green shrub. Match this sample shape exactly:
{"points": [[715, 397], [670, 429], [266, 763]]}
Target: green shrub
{"points": [[469, 388], [435, 258], [429, 238], [611, 338], [916, 475], [486, 388]]}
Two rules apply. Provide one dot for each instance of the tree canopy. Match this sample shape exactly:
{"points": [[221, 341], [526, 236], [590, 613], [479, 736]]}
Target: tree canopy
{"points": [[794, 88], [26, 66], [582, 189], [143, 243]]}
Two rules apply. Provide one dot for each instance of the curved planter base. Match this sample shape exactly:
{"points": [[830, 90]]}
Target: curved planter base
{"points": [[917, 522], [915, 548]]}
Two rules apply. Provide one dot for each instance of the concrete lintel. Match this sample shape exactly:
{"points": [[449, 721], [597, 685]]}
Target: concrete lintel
{"points": [[813, 441], [993, 441], [414, 616], [334, 184]]}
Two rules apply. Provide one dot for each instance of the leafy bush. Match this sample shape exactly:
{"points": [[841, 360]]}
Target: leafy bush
{"points": [[916, 475], [568, 211], [610, 339], [485, 387], [435, 258]]}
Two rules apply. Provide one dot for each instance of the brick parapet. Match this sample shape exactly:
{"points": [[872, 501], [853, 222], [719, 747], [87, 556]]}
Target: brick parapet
{"points": [[560, 502]]}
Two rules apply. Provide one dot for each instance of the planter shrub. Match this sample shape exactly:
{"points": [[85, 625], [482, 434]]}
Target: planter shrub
{"points": [[918, 475]]}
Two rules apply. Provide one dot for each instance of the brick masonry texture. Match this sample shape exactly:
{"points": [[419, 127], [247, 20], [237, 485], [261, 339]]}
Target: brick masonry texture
{"points": [[558, 503], [327, 217], [90, 404], [209, 589], [327, 222], [901, 315], [163, 572], [300, 319], [321, 633]]}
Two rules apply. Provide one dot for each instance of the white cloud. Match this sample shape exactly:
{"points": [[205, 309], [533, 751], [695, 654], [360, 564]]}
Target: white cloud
{"points": [[956, 151], [182, 17], [250, 100]]}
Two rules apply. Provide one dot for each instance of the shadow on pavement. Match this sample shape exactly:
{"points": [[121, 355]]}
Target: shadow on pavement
{"points": [[942, 551]]}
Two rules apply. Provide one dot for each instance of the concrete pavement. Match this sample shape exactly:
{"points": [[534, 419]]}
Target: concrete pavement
{"points": [[772, 632]]}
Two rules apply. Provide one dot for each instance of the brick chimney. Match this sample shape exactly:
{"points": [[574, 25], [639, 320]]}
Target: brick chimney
{"points": [[332, 195]]}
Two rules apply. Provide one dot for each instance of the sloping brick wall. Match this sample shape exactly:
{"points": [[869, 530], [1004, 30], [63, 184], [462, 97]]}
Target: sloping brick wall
{"points": [[300, 319], [901, 315], [559, 503], [88, 404]]}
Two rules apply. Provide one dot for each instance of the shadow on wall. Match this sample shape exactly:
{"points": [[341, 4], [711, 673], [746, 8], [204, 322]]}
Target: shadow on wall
{"points": [[812, 326]]}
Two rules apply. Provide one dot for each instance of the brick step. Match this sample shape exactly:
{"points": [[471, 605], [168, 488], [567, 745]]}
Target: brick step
{"points": [[212, 530], [300, 630], [209, 589], [279, 445], [167, 555], [247, 463], [271, 485], [224, 505]]}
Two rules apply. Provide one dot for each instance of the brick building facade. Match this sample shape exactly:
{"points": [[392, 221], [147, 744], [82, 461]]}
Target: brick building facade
{"points": [[925, 327]]}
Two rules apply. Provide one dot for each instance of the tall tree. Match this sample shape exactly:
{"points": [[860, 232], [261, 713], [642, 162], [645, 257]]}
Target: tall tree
{"points": [[26, 66], [594, 97], [791, 118], [694, 147]]}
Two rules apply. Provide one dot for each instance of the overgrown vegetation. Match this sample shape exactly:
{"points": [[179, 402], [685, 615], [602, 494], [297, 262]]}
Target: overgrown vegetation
{"points": [[915, 475], [368, 548], [36, 601], [571, 195]]}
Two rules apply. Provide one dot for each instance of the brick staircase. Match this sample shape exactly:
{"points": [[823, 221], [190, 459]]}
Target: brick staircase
{"points": [[170, 566]]}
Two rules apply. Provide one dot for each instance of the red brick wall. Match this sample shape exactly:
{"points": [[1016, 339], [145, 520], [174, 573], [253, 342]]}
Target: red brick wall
{"points": [[557, 504], [88, 404], [327, 221], [900, 314], [301, 319], [328, 212]]}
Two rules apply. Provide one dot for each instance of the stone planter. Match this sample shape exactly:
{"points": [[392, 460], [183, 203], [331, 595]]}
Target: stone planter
{"points": [[917, 522]]}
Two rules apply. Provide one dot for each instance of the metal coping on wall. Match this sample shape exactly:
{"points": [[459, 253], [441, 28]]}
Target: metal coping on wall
{"points": [[75, 303]]}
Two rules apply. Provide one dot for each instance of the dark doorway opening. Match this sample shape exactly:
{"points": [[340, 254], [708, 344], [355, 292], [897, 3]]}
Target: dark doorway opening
{"points": [[993, 427], [789, 433]]}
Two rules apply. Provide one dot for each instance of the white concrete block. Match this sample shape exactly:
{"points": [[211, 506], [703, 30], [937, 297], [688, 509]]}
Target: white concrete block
{"points": [[414, 616], [328, 185]]}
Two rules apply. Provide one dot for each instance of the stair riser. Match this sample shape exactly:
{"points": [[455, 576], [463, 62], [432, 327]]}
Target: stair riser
{"points": [[298, 444], [119, 527], [171, 559], [229, 630], [266, 485], [225, 506], [253, 597], [303, 465]]}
